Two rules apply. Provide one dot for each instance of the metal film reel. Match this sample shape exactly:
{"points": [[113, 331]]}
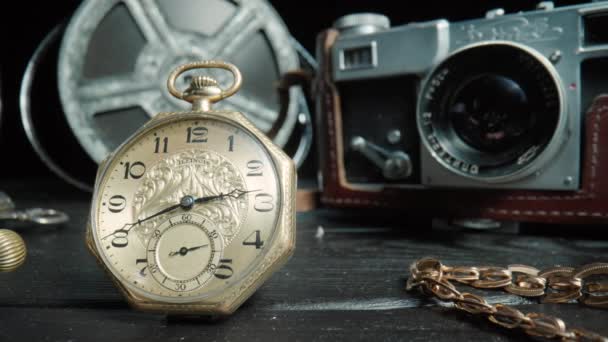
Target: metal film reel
{"points": [[117, 47], [43, 119]]}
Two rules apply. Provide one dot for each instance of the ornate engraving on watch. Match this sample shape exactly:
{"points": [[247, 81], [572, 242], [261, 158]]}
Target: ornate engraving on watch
{"points": [[192, 172], [196, 210]]}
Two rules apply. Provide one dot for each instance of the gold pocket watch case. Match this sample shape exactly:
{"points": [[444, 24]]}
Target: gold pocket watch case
{"points": [[196, 210]]}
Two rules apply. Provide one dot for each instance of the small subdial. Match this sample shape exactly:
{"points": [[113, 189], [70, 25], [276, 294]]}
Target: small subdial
{"points": [[183, 253]]}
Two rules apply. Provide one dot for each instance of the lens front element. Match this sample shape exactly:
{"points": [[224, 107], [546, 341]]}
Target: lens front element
{"points": [[489, 111]]}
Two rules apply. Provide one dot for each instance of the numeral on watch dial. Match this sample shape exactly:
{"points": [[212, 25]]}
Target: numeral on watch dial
{"points": [[197, 134], [251, 241], [231, 143], [134, 170], [224, 270], [254, 168], [161, 145], [117, 203], [120, 238], [263, 202]]}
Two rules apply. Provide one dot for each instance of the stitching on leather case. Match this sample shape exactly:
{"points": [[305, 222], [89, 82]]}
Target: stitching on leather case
{"points": [[595, 160], [585, 193], [329, 105], [354, 200], [556, 213], [331, 135]]}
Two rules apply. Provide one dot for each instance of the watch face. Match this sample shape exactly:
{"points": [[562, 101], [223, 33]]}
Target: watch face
{"points": [[186, 209]]}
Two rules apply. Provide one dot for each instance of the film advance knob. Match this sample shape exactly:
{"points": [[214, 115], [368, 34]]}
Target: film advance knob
{"points": [[395, 165], [362, 23]]}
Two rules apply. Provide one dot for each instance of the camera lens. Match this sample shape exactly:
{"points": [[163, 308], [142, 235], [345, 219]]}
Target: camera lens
{"points": [[489, 111]]}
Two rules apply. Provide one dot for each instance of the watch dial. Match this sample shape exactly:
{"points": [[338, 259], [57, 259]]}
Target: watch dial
{"points": [[186, 209]]}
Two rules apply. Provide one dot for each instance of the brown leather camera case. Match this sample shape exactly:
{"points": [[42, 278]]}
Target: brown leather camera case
{"points": [[587, 205]]}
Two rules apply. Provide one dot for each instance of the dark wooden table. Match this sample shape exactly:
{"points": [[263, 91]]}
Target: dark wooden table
{"points": [[346, 285]]}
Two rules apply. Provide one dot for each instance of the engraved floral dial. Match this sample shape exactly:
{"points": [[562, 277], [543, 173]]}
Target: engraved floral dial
{"points": [[185, 209]]}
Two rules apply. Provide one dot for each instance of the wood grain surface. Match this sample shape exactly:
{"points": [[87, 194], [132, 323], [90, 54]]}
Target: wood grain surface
{"points": [[344, 284]]}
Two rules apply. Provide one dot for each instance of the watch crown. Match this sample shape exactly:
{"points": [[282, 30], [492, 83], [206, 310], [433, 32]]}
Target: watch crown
{"points": [[200, 87], [203, 81]]}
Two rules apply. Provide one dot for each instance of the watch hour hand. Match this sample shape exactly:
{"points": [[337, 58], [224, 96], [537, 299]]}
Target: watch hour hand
{"points": [[164, 211], [127, 227]]}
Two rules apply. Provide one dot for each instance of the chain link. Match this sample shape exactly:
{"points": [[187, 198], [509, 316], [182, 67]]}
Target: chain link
{"points": [[553, 285]]}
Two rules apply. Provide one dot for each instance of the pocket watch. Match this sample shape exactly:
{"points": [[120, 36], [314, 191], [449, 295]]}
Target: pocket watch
{"points": [[196, 210]]}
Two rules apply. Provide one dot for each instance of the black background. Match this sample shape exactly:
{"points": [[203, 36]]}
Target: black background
{"points": [[26, 24]]}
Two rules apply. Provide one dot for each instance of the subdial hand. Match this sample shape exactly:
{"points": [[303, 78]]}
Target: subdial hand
{"points": [[183, 251]]}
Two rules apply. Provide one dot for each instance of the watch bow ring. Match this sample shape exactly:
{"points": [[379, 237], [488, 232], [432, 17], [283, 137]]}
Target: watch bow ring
{"points": [[204, 90]]}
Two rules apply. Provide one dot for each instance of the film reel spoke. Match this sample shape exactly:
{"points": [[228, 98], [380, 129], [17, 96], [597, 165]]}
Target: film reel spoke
{"points": [[113, 86], [114, 93], [239, 30], [262, 116], [151, 21]]}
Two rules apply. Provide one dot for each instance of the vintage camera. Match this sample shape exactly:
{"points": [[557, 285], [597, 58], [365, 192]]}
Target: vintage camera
{"points": [[498, 117]]}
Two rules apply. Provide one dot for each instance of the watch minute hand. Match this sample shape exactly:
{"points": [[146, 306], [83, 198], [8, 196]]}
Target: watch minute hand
{"points": [[236, 193], [208, 198]]}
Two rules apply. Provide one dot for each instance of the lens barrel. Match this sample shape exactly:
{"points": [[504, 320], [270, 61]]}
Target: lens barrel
{"points": [[490, 110]]}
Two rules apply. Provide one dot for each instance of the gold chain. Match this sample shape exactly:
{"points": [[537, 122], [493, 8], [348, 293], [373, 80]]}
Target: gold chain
{"points": [[553, 285]]}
